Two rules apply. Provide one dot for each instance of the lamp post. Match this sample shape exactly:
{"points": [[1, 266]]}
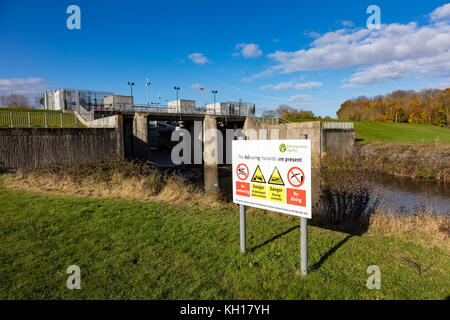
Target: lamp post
{"points": [[214, 92], [147, 83], [178, 106], [203, 96], [131, 84]]}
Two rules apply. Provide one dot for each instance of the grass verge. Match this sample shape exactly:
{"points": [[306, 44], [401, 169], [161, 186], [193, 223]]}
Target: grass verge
{"points": [[129, 249]]}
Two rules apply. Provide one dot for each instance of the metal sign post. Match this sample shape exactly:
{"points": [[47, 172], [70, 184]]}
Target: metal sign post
{"points": [[303, 238], [242, 221]]}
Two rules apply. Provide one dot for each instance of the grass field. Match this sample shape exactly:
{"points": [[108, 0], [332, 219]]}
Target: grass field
{"points": [[375, 132], [368, 132], [145, 250]]}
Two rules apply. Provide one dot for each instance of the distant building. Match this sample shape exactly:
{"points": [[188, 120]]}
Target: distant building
{"points": [[181, 106], [72, 99], [117, 102], [230, 108]]}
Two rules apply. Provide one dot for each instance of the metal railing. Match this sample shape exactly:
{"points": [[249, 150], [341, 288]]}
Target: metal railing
{"points": [[338, 125], [268, 120], [38, 119], [185, 110]]}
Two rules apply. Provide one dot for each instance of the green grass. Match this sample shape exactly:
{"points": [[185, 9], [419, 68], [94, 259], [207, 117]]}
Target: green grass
{"points": [[37, 118], [143, 250], [368, 132], [372, 132]]}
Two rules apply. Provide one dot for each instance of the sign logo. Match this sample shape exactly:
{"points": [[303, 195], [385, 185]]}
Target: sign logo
{"points": [[296, 177], [282, 147], [275, 178], [242, 171], [258, 176]]}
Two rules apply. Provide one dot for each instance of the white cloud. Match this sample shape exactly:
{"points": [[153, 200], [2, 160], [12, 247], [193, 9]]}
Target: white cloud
{"points": [[25, 86], [198, 58], [262, 74], [249, 50], [393, 52], [347, 23], [441, 13], [197, 86], [292, 85], [299, 98]]}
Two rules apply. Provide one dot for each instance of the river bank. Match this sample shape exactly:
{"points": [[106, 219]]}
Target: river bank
{"points": [[118, 179], [134, 249], [415, 161]]}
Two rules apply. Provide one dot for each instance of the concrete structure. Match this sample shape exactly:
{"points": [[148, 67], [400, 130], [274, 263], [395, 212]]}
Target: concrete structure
{"points": [[26, 149], [181, 106], [324, 141], [120, 103], [231, 108]]}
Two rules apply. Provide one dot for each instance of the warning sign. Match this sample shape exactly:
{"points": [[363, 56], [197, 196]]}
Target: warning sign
{"points": [[259, 191], [296, 197], [258, 176], [276, 194], [243, 189], [296, 177], [242, 171], [281, 175], [275, 178]]}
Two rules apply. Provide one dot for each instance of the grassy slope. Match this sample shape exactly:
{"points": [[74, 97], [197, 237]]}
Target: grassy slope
{"points": [[400, 133], [130, 249], [369, 132], [20, 118]]}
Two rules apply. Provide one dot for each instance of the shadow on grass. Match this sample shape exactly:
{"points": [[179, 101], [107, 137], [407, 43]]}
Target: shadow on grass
{"points": [[274, 238], [319, 263]]}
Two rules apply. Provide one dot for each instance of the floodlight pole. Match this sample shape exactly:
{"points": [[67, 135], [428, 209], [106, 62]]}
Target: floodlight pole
{"points": [[178, 106], [147, 83], [303, 237], [242, 222]]}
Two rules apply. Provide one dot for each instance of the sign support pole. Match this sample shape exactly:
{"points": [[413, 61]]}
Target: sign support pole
{"points": [[242, 210], [303, 238], [242, 222]]}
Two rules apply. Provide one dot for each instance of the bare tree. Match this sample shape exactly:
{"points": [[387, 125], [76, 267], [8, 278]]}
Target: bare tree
{"points": [[14, 100]]}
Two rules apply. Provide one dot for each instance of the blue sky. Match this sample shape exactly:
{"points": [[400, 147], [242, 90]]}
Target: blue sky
{"points": [[309, 54]]}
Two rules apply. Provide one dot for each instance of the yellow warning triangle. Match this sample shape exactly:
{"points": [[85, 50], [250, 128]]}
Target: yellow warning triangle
{"points": [[275, 178], [258, 176]]}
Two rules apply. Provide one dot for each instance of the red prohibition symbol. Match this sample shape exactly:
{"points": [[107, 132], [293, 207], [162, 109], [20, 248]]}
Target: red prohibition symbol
{"points": [[296, 177], [242, 171]]}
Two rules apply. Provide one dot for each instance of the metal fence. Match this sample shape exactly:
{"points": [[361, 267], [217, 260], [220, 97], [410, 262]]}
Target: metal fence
{"points": [[17, 119]]}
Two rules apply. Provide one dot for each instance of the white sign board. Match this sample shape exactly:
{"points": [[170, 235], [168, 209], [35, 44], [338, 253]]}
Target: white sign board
{"points": [[273, 175]]}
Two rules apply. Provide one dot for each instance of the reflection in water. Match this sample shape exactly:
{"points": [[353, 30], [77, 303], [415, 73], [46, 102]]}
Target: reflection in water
{"points": [[397, 193]]}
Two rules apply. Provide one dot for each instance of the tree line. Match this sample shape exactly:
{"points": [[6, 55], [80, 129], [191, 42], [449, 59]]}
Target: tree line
{"points": [[429, 106], [287, 112]]}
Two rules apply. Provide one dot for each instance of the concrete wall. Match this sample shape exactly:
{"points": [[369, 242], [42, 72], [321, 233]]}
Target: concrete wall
{"points": [[31, 148], [337, 142], [140, 136], [286, 131]]}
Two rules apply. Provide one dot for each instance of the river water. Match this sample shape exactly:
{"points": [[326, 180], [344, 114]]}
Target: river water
{"points": [[397, 194]]}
